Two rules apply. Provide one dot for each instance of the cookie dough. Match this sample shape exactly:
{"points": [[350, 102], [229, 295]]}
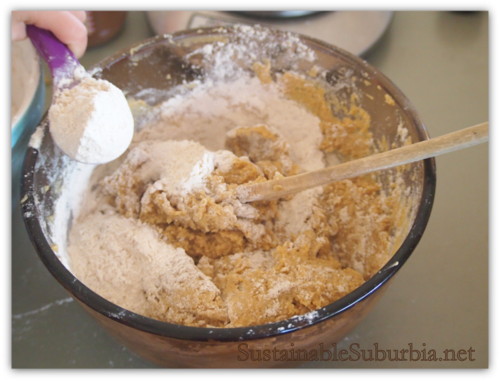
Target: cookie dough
{"points": [[162, 233]]}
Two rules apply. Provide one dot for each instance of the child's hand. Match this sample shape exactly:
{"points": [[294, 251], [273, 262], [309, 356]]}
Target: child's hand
{"points": [[68, 26]]}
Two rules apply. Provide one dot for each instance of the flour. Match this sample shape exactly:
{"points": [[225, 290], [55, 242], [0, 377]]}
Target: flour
{"points": [[176, 163], [175, 155], [211, 110], [37, 137], [91, 122], [170, 161], [161, 234], [149, 276], [196, 179]]}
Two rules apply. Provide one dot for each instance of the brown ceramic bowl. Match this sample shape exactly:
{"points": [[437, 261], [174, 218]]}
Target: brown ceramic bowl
{"points": [[160, 63]]}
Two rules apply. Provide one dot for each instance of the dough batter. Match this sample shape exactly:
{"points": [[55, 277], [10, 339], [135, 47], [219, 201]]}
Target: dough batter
{"points": [[162, 234]]}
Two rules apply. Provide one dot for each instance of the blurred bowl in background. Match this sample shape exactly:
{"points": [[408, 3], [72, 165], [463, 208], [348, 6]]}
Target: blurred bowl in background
{"points": [[355, 31]]}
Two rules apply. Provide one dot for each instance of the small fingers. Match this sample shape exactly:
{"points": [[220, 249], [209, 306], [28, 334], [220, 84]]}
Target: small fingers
{"points": [[67, 26], [80, 15]]}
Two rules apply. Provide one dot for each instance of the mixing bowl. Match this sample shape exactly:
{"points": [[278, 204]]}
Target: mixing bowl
{"points": [[148, 71]]}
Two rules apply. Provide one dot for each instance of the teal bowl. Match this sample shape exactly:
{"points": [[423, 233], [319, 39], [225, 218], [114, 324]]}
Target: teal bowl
{"points": [[27, 105], [31, 117]]}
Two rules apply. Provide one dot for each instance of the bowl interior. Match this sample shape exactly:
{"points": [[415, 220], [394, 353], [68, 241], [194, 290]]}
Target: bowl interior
{"points": [[150, 71]]}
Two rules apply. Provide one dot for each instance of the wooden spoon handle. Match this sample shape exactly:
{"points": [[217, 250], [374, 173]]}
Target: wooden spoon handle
{"points": [[273, 189]]}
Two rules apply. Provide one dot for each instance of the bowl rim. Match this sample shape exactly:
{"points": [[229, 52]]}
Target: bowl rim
{"points": [[171, 330]]}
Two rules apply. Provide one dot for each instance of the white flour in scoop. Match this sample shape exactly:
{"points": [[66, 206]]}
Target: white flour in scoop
{"points": [[92, 122]]}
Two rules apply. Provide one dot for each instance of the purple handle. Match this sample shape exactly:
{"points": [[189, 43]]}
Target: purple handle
{"points": [[60, 59]]}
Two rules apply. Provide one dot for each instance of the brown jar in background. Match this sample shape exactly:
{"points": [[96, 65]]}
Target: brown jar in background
{"points": [[103, 26]]}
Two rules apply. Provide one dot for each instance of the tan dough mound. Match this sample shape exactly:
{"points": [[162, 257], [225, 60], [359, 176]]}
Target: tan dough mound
{"points": [[150, 276]]}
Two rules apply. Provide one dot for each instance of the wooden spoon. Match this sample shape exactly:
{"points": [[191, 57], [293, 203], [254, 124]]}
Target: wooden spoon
{"points": [[273, 189]]}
